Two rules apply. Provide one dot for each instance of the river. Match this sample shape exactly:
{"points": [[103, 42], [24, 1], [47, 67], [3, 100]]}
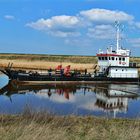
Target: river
{"points": [[102, 100]]}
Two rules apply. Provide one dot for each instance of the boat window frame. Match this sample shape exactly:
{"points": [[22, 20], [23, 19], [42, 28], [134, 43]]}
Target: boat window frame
{"points": [[112, 58], [123, 59], [103, 58]]}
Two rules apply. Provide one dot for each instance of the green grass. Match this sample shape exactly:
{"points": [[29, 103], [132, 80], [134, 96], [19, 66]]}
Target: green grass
{"points": [[43, 126]]}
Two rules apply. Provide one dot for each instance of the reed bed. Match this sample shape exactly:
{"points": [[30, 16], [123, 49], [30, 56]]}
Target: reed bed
{"points": [[44, 126], [44, 65], [44, 62], [50, 58]]}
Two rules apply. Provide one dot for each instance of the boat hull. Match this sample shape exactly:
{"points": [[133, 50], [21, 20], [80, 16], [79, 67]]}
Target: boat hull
{"points": [[79, 79], [36, 78]]}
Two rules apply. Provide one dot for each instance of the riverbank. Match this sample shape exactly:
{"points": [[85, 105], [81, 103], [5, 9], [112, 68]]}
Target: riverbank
{"points": [[44, 62], [43, 126]]}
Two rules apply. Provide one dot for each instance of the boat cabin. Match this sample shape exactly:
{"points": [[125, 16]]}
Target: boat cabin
{"points": [[116, 63]]}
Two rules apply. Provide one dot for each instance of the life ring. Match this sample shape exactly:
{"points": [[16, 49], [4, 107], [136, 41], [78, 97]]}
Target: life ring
{"points": [[123, 63]]}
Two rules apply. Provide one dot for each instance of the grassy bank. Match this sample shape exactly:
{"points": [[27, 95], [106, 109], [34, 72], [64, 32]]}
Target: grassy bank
{"points": [[56, 58], [48, 127], [50, 58], [43, 62]]}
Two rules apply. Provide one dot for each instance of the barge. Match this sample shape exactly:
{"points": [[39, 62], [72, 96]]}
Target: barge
{"points": [[113, 67]]}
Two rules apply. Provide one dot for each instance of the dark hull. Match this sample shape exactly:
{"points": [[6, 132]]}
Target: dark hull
{"points": [[39, 78], [76, 79]]}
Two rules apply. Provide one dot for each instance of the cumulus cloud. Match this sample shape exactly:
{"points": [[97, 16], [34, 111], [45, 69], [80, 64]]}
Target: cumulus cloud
{"points": [[9, 17], [135, 42], [102, 32], [56, 21], [84, 42], [95, 23], [104, 15], [137, 24], [64, 34], [58, 25]]}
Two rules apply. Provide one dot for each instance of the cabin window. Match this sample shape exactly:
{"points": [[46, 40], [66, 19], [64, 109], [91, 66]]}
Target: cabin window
{"points": [[112, 58], [116, 70], [105, 58], [122, 69], [119, 58], [116, 58], [102, 58], [123, 59], [109, 58], [99, 58]]}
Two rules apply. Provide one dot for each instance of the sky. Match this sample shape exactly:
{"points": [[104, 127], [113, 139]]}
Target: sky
{"points": [[68, 27]]}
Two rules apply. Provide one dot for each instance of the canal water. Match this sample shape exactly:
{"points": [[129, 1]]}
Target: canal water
{"points": [[118, 101]]}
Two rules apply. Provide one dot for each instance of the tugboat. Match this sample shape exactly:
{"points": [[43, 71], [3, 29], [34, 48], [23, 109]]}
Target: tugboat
{"points": [[114, 67], [115, 64]]}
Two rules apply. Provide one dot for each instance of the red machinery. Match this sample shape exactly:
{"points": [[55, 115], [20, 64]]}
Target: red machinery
{"points": [[67, 70]]}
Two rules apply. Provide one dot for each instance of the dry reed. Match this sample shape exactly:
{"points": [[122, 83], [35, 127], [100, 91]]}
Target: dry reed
{"points": [[42, 126]]}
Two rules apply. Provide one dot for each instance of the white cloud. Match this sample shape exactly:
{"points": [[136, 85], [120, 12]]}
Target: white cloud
{"points": [[134, 25], [56, 98], [97, 22], [84, 42], [103, 15], [9, 17], [102, 32], [137, 24], [135, 42], [64, 34], [90, 105], [56, 21], [62, 26]]}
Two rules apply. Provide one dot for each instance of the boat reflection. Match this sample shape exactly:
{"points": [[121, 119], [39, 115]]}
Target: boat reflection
{"points": [[109, 98], [113, 101], [60, 89]]}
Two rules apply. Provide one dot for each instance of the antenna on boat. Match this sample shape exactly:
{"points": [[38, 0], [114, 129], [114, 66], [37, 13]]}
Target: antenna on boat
{"points": [[117, 25]]}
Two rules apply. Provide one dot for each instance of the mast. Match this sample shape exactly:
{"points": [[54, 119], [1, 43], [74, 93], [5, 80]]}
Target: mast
{"points": [[118, 35]]}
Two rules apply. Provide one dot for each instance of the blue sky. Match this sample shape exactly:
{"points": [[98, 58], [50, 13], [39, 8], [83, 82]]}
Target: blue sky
{"points": [[67, 27]]}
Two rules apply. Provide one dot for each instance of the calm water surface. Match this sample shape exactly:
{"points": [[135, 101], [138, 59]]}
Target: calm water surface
{"points": [[98, 100]]}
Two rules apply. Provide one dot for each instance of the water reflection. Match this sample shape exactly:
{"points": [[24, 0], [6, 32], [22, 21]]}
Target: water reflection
{"points": [[65, 99]]}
